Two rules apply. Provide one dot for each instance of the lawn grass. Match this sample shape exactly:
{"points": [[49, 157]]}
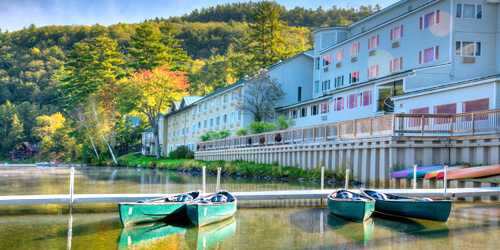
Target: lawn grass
{"points": [[240, 168]]}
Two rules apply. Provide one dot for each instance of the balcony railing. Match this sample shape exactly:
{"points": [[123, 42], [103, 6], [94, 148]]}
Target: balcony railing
{"points": [[485, 122]]}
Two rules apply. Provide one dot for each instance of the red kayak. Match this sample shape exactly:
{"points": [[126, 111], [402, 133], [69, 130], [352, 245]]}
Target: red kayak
{"points": [[472, 172], [433, 175]]}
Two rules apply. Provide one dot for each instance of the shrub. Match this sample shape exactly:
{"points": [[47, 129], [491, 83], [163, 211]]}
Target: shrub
{"points": [[179, 153], [261, 127], [152, 164], [242, 132], [190, 155], [224, 134]]}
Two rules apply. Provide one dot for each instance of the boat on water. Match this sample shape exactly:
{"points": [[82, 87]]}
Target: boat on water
{"points": [[211, 208], [351, 205], [425, 208], [433, 174], [472, 172], [155, 209], [404, 173]]}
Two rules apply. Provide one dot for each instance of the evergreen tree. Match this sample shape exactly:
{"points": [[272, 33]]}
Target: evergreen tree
{"points": [[16, 133]]}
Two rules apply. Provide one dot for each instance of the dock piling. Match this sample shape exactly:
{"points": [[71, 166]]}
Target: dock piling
{"points": [[203, 182], [322, 177], [445, 180], [71, 184], [347, 179], [415, 176], [218, 179]]}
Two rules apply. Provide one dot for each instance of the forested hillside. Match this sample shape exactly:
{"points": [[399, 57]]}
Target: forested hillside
{"points": [[33, 61]]}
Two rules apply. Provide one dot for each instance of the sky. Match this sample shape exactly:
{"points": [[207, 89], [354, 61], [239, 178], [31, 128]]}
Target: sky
{"points": [[16, 14]]}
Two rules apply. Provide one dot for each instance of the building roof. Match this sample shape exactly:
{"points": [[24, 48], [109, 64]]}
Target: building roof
{"points": [[148, 130], [188, 100]]}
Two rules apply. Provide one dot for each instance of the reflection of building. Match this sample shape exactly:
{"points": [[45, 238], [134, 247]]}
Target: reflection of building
{"points": [[148, 144], [420, 57], [27, 150]]}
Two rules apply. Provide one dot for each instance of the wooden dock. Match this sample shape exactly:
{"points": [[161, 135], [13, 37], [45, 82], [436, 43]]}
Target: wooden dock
{"points": [[244, 196]]}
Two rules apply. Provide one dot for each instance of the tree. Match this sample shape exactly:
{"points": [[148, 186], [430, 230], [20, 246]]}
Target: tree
{"points": [[150, 93], [153, 47], [262, 96], [265, 41], [16, 134], [53, 131]]}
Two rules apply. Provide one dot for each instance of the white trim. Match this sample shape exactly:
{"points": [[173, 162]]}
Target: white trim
{"points": [[472, 83]]}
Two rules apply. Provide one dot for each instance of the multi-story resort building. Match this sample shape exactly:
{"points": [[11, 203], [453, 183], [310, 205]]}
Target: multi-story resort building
{"points": [[414, 57]]}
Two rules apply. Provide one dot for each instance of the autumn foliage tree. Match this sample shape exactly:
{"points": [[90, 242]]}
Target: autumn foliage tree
{"points": [[150, 93]]}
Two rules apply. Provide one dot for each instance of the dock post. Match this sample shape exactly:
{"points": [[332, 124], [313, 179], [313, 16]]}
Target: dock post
{"points": [[71, 185], [347, 179], [218, 179], [445, 179], [415, 177], [322, 185], [203, 182]]}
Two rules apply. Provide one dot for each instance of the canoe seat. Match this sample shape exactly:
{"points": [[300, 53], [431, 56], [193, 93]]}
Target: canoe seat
{"points": [[142, 201], [204, 202], [184, 198], [344, 195], [424, 199], [219, 198], [378, 195], [358, 199]]}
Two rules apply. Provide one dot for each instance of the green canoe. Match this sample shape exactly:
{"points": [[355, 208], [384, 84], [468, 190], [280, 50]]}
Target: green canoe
{"points": [[360, 232], [411, 207], [146, 233], [350, 205], [212, 208], [156, 209]]}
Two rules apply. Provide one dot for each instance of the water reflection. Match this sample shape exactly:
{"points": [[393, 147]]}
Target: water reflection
{"points": [[140, 234], [356, 231], [211, 236]]}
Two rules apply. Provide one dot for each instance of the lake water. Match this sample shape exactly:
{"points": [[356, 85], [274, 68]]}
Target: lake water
{"points": [[280, 225]]}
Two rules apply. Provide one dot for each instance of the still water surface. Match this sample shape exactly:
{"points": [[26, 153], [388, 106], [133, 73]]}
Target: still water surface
{"points": [[471, 226]]}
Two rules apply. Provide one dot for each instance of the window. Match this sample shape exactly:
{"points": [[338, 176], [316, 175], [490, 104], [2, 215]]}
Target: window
{"points": [[199, 108], [294, 114], [194, 129], [224, 119], [187, 130], [325, 108], [224, 99], [476, 105], [325, 85], [397, 33], [238, 94], [353, 101], [194, 111], [232, 97], [204, 123], [445, 109], [339, 81], [316, 87], [231, 117], [238, 115], [355, 49], [299, 91], [211, 122], [429, 20], [354, 77], [338, 104], [327, 60], [417, 121], [372, 71], [474, 11], [217, 102], [467, 48], [303, 112], [199, 125], [168, 134], [317, 63], [339, 55], [366, 98], [211, 104], [428, 55], [315, 110], [373, 42], [205, 106], [396, 64], [217, 121]]}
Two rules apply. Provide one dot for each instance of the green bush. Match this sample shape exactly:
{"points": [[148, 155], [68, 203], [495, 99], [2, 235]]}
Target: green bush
{"points": [[152, 164], [179, 153], [242, 132], [261, 127], [224, 134], [190, 155]]}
